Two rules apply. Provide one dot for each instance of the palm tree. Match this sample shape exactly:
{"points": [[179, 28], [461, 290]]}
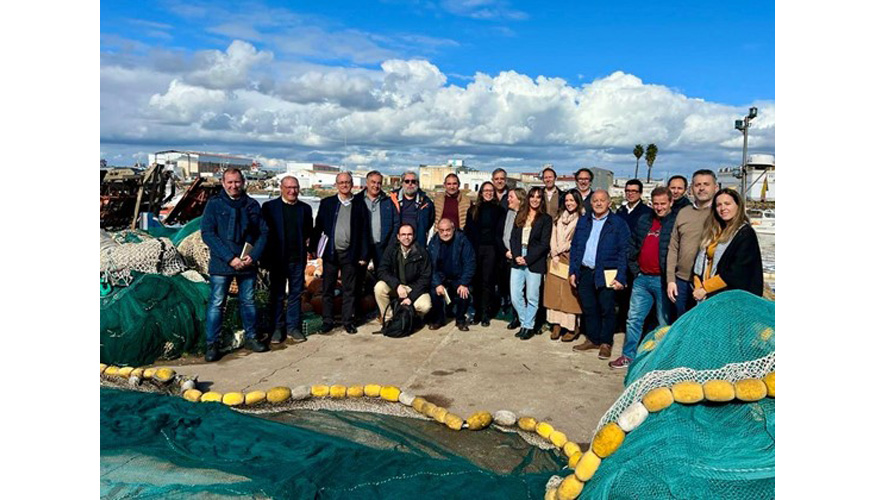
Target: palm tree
{"points": [[637, 151], [650, 157]]}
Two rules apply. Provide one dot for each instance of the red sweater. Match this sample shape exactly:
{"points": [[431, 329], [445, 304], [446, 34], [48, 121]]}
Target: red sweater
{"points": [[648, 259]]}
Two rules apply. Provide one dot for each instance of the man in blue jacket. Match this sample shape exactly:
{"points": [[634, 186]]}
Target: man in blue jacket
{"points": [[598, 270], [289, 222], [342, 219], [414, 206], [453, 265], [231, 220], [648, 250]]}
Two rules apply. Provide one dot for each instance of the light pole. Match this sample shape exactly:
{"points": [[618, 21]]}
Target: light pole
{"points": [[742, 126]]}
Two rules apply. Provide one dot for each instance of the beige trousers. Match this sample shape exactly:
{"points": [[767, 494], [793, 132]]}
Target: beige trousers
{"points": [[384, 294]]}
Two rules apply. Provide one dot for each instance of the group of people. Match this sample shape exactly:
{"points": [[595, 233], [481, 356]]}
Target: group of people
{"points": [[563, 258]]}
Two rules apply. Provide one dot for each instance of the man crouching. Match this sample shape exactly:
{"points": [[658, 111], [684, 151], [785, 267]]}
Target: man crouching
{"points": [[404, 272]]}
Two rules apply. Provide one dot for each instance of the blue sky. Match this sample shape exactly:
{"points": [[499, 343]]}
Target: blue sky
{"points": [[396, 83]]}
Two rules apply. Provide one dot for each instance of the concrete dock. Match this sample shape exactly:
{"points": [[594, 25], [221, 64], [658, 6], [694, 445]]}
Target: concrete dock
{"points": [[482, 369]]}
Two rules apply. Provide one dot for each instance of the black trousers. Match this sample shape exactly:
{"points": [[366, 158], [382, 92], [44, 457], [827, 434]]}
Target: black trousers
{"points": [[442, 310], [340, 263], [484, 282], [598, 308], [503, 282], [623, 297]]}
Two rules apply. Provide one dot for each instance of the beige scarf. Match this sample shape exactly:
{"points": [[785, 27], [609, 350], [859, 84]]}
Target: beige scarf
{"points": [[563, 233]]}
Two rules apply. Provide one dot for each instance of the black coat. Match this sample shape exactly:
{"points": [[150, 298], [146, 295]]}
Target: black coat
{"points": [[275, 251], [741, 266], [473, 227], [632, 217], [326, 218], [682, 202], [639, 233], [417, 269], [539, 243]]}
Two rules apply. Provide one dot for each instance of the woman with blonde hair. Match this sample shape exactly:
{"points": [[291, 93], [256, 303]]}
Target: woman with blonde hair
{"points": [[559, 299], [729, 256]]}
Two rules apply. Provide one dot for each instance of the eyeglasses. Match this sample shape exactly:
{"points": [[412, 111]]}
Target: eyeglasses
{"points": [[410, 181], [632, 191]]}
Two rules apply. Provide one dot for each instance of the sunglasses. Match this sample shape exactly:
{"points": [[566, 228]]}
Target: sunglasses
{"points": [[410, 181]]}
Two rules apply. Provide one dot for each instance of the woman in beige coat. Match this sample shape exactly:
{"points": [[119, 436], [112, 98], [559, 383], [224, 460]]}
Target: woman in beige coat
{"points": [[559, 298]]}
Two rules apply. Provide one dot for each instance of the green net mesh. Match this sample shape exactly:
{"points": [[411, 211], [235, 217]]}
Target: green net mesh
{"points": [[156, 446], [175, 234], [710, 450], [156, 316]]}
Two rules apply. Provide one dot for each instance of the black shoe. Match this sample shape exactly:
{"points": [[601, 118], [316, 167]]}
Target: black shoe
{"points": [[212, 352], [297, 336], [255, 346], [350, 328], [520, 333], [326, 328], [527, 334], [278, 337], [435, 326], [485, 322], [462, 326], [513, 325]]}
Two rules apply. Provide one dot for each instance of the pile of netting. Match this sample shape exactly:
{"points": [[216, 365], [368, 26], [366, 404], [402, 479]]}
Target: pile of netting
{"points": [[157, 446], [153, 294], [704, 450]]}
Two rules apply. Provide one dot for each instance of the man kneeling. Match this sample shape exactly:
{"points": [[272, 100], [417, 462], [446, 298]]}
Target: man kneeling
{"points": [[404, 272], [453, 260]]}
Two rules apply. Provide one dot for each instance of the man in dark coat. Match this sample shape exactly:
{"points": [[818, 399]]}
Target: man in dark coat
{"points": [[631, 212], [598, 263], [343, 220], [453, 266], [236, 234], [677, 185], [383, 217], [405, 272], [290, 222], [414, 206], [648, 251]]}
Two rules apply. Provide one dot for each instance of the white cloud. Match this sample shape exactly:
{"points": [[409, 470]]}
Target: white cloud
{"points": [[406, 113], [229, 69], [483, 9]]}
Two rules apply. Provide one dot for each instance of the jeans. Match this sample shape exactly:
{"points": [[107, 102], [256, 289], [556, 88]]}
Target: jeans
{"points": [[219, 286], [684, 301], [646, 290], [288, 318], [598, 308], [523, 281]]}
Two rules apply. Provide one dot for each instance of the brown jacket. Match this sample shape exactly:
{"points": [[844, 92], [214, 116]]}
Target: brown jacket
{"points": [[552, 205], [464, 205], [686, 235]]}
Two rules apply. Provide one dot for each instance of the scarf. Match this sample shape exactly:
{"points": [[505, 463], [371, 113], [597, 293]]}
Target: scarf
{"points": [[237, 222], [702, 257], [563, 233]]}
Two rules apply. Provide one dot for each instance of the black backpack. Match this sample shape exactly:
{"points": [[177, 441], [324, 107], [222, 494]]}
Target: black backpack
{"points": [[401, 323]]}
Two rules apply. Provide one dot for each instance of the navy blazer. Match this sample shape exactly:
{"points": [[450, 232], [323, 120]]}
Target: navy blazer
{"points": [[538, 245], [272, 211], [463, 258], [640, 233], [390, 221], [326, 218], [612, 250]]}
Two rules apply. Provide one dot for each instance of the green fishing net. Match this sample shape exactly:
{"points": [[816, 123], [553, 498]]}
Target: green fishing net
{"points": [[705, 450], [154, 317], [175, 234], [157, 446]]}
